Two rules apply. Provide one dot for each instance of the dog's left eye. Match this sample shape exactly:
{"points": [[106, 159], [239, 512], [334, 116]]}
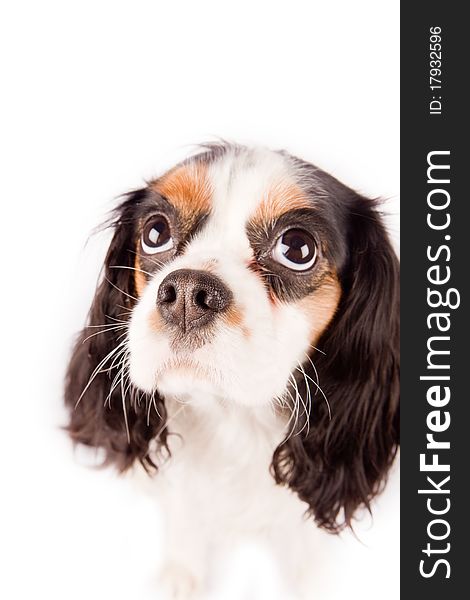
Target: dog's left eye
{"points": [[295, 249], [156, 236]]}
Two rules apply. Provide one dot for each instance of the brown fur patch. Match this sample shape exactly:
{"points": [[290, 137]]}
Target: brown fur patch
{"points": [[280, 198], [187, 187], [155, 321], [320, 306], [139, 277], [233, 317]]}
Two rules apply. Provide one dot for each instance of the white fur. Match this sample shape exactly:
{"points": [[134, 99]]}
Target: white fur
{"points": [[217, 485]]}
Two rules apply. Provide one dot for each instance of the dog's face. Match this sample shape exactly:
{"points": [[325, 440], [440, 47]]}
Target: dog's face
{"points": [[248, 277], [236, 275]]}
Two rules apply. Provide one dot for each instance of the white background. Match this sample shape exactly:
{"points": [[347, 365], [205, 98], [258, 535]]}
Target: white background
{"points": [[96, 97]]}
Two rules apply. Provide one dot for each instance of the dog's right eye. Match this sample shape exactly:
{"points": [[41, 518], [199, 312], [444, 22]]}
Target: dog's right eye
{"points": [[295, 249], [156, 236]]}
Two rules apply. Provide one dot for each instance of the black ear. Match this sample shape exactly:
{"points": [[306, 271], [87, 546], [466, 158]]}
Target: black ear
{"points": [[341, 463], [105, 410]]}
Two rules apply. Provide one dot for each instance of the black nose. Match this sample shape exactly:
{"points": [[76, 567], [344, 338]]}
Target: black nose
{"points": [[188, 298]]}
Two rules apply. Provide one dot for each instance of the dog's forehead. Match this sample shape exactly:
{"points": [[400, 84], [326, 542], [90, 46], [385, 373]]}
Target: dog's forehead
{"points": [[253, 185], [242, 181], [242, 185]]}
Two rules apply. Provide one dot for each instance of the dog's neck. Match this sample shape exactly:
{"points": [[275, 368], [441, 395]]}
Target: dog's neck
{"points": [[213, 423]]}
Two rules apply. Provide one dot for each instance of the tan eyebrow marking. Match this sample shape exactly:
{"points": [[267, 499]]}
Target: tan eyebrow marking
{"points": [[279, 198], [188, 188]]}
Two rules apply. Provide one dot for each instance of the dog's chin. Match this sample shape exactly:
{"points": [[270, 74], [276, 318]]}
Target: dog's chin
{"points": [[180, 377], [186, 381]]}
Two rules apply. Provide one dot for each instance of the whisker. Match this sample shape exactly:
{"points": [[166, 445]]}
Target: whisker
{"points": [[294, 413], [172, 418], [132, 269], [116, 320], [115, 382], [322, 393], [155, 261], [103, 325], [301, 401], [317, 349], [314, 370], [95, 372], [116, 362], [309, 397], [123, 398], [154, 402], [127, 311], [120, 290], [149, 406], [268, 274], [115, 328]]}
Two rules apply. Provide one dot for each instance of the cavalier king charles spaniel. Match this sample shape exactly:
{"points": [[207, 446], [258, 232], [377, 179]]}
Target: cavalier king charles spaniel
{"points": [[243, 343]]}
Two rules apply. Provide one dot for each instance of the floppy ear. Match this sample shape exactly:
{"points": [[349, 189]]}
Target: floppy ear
{"points": [[105, 410], [341, 463]]}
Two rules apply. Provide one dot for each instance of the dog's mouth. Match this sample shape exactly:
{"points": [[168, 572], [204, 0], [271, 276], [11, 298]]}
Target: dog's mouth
{"points": [[180, 362], [186, 342], [187, 366]]}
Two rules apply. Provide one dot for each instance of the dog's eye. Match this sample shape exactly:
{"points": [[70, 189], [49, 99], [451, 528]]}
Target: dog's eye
{"points": [[156, 236], [295, 249]]}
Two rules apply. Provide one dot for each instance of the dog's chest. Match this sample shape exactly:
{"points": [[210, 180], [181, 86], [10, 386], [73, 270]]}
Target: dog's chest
{"points": [[220, 465]]}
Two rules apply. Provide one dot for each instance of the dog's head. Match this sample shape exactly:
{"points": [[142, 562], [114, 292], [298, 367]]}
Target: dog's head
{"points": [[249, 277]]}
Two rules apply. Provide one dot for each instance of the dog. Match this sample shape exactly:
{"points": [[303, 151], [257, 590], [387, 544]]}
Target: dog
{"points": [[243, 345]]}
